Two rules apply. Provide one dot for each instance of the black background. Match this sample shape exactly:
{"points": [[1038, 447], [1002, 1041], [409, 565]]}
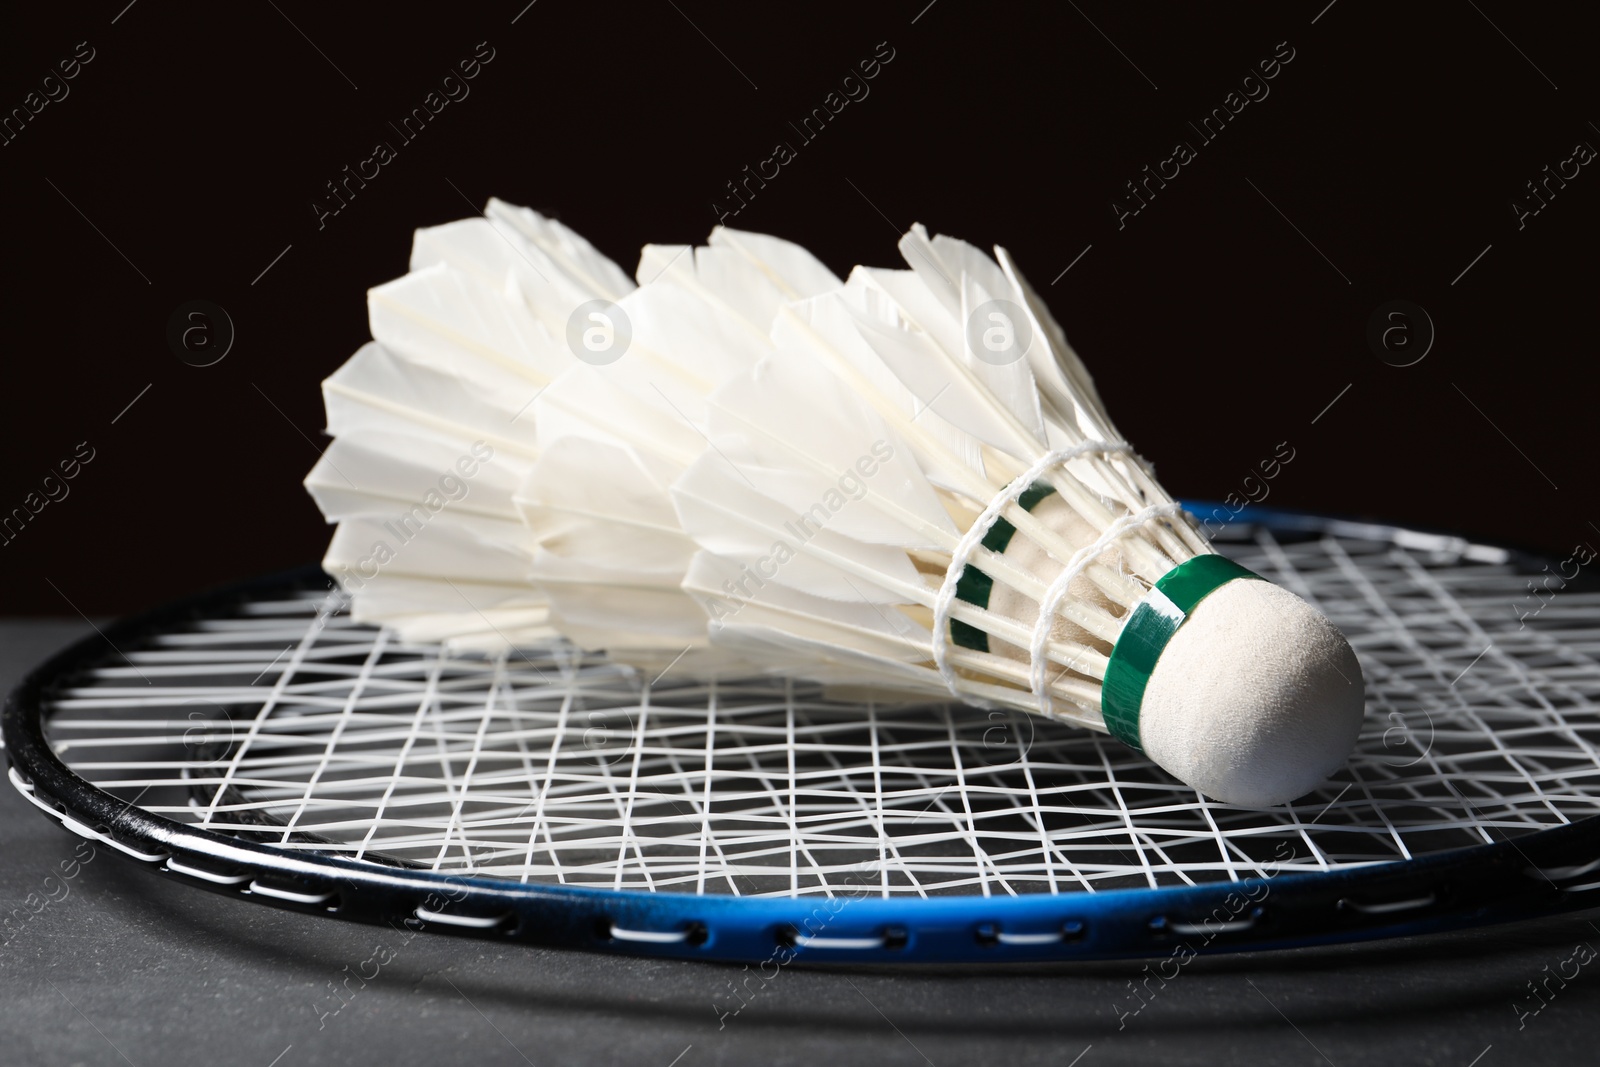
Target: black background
{"points": [[187, 156], [189, 152]]}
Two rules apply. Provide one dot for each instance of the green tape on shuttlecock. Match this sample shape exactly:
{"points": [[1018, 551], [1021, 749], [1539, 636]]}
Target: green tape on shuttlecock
{"points": [[974, 586], [1150, 626]]}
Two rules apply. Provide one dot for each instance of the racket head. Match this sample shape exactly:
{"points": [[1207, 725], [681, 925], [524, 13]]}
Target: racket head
{"points": [[1507, 849]]}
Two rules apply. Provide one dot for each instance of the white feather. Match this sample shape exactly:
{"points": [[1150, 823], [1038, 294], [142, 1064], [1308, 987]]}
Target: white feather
{"points": [[851, 481]]}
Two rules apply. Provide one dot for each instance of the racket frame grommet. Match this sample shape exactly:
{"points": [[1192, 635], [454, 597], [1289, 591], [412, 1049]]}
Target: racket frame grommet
{"points": [[173, 865], [328, 901], [481, 923], [1349, 905]]}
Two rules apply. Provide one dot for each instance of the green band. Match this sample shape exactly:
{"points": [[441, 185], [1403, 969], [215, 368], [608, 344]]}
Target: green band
{"points": [[974, 586], [1150, 626]]}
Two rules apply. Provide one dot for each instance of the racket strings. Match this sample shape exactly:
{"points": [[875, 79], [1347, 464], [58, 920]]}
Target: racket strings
{"points": [[284, 721]]}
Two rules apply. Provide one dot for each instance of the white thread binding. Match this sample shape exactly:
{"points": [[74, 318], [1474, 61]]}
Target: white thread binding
{"points": [[974, 537], [1038, 664]]}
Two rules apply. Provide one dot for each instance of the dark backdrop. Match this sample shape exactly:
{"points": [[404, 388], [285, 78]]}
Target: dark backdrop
{"points": [[182, 161]]}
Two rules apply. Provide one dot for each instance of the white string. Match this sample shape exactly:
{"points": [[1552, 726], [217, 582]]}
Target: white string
{"points": [[1039, 663], [793, 792], [974, 537]]}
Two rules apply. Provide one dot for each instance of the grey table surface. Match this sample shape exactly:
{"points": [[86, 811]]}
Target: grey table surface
{"points": [[130, 969]]}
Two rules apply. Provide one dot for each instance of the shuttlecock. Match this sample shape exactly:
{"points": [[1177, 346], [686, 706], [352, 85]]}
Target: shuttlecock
{"points": [[905, 482]]}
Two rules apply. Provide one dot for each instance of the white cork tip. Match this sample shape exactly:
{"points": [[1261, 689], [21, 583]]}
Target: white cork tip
{"points": [[1256, 699]]}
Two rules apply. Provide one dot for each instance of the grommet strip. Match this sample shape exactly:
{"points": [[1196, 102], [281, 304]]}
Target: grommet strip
{"points": [[466, 922], [650, 937], [1388, 906], [25, 787], [846, 943], [1232, 926], [179, 867], [1048, 938], [1561, 874], [265, 890]]}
